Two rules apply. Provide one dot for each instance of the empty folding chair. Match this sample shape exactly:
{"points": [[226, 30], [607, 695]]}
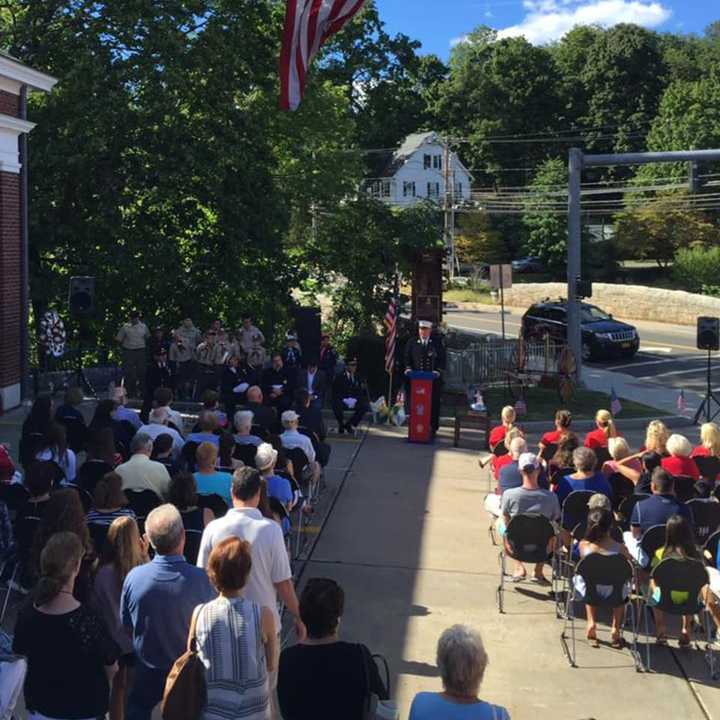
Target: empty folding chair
{"points": [[705, 518]]}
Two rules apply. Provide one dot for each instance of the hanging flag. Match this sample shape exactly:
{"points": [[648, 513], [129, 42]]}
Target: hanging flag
{"points": [[308, 24], [615, 404], [681, 405], [391, 336]]}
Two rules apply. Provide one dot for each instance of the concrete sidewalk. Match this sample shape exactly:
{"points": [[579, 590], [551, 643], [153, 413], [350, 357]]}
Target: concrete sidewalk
{"points": [[408, 541]]}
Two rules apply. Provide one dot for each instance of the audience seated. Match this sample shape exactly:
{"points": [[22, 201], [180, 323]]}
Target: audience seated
{"points": [[311, 420], [656, 437], [55, 449], [209, 480], [226, 462], [232, 621], [71, 656], [563, 419], [158, 424], [291, 438], [561, 463], [264, 416], [620, 450], [654, 510], [122, 412], [497, 462], [142, 473], [709, 441], [679, 463], [157, 602], [605, 429], [162, 399], [461, 660], [35, 429], [163, 453], [649, 460], [243, 421], [507, 421], [528, 498], [323, 655], [585, 476], [69, 409], [207, 425], [123, 430], [510, 476], [101, 459], [277, 487], [122, 551], [184, 496], [109, 501]]}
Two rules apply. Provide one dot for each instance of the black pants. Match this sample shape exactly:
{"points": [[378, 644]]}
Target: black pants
{"points": [[361, 407]]}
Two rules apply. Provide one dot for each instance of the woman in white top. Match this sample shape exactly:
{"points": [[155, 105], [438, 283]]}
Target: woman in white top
{"points": [[56, 450], [236, 639]]}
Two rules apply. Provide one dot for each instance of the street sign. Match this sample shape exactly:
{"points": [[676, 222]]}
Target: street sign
{"points": [[501, 277]]}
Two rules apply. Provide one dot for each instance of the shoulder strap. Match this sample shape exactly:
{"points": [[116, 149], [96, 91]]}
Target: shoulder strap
{"points": [[366, 675], [193, 627]]}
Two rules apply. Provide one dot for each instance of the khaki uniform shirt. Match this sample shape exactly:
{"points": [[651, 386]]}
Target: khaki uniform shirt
{"points": [[133, 337], [186, 340], [249, 338], [207, 354]]}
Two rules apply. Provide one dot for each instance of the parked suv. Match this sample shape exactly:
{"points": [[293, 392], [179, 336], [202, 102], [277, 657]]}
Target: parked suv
{"points": [[602, 336]]}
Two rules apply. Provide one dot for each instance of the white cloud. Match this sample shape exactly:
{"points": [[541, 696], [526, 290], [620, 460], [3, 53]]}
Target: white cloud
{"points": [[547, 20]]}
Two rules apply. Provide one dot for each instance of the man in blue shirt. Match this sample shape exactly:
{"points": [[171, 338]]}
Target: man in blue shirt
{"points": [[156, 605], [654, 510]]}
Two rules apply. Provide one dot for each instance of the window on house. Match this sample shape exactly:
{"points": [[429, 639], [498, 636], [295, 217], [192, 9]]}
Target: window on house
{"points": [[459, 189], [408, 189], [433, 189], [380, 189], [427, 162], [385, 189], [437, 162]]}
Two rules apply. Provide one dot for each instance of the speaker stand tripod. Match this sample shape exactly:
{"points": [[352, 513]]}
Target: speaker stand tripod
{"points": [[81, 378], [707, 404]]}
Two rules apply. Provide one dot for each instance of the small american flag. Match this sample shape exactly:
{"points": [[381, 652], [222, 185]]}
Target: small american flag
{"points": [[615, 404], [391, 337], [681, 404], [308, 24]]}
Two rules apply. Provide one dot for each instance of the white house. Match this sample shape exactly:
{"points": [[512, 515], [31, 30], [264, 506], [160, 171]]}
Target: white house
{"points": [[415, 172]]}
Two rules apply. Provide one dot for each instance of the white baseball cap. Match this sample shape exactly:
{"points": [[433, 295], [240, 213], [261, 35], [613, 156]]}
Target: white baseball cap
{"points": [[528, 461], [265, 456], [289, 416]]}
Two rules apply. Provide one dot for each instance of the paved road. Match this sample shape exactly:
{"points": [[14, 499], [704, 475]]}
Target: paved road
{"points": [[667, 352]]}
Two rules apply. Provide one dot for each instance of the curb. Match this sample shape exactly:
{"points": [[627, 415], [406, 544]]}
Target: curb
{"points": [[672, 421]]}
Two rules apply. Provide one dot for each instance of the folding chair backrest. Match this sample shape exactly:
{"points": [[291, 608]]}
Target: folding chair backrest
{"points": [[188, 455], [500, 449], [674, 575], [711, 548], [621, 489], [77, 433], [603, 455], [548, 452], [684, 488], [245, 453], [313, 437], [528, 535], [142, 503], [98, 533], [217, 506], [706, 518], [627, 505], [609, 571], [652, 540], [580, 529], [709, 467], [262, 432], [192, 545], [299, 461], [575, 508]]}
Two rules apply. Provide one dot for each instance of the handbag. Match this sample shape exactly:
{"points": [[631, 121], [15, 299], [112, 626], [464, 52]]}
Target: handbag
{"points": [[185, 693], [375, 708]]}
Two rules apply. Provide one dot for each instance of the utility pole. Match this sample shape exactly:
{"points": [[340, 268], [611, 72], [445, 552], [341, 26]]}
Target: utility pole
{"points": [[449, 209]]}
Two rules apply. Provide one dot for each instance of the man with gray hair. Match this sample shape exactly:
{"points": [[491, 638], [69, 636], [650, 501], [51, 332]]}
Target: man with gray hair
{"points": [[158, 425], [142, 473], [293, 438], [156, 604], [243, 421], [122, 412], [461, 660], [510, 476]]}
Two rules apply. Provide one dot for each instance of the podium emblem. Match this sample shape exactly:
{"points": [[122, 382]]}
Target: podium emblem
{"points": [[420, 409]]}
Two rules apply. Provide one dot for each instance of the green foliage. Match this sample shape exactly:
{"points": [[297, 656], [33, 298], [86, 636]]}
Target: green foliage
{"points": [[697, 269], [478, 241]]}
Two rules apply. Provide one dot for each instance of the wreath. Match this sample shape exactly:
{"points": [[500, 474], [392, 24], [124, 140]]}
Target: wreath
{"points": [[52, 334]]}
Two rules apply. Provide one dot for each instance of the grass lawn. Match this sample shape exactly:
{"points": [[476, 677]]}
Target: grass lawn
{"points": [[543, 402], [467, 295]]}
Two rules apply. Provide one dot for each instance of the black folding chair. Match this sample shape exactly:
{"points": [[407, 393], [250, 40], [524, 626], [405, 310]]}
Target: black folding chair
{"points": [[262, 432], [528, 536], [608, 583], [674, 575], [575, 508], [626, 507], [684, 488], [650, 542], [603, 455], [548, 452], [76, 432], [187, 455], [142, 503], [246, 453], [217, 506], [500, 449], [710, 550], [705, 516], [709, 467], [192, 544], [621, 488]]}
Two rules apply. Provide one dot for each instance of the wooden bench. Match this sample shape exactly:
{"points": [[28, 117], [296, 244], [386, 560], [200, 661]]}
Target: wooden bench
{"points": [[472, 419]]}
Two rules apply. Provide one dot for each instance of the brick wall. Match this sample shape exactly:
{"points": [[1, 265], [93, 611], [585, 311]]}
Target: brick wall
{"points": [[9, 103], [10, 291]]}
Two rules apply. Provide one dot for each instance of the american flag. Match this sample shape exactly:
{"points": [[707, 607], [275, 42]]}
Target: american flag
{"points": [[615, 404], [390, 338], [308, 24], [681, 405]]}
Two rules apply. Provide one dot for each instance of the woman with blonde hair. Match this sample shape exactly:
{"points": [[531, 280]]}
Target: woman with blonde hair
{"points": [[605, 429], [123, 550], [656, 437], [499, 461], [620, 451], [507, 421], [709, 441]]}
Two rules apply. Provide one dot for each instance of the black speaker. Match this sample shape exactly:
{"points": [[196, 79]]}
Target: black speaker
{"points": [[307, 324], [708, 333], [81, 298]]}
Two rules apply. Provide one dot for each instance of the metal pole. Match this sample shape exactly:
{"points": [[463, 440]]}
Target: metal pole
{"points": [[502, 302], [574, 257], [446, 207], [24, 259]]}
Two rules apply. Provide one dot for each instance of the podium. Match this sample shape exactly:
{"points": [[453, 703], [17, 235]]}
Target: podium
{"points": [[421, 392]]}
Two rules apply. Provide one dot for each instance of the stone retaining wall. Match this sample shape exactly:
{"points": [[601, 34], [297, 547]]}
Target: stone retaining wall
{"points": [[631, 302]]}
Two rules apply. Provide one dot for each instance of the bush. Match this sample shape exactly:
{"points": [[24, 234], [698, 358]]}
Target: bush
{"points": [[697, 268]]}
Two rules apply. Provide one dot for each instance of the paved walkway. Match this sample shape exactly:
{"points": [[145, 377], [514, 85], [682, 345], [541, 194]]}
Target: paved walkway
{"points": [[408, 541]]}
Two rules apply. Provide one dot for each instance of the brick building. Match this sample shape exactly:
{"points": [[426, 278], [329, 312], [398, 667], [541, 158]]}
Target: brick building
{"points": [[16, 80]]}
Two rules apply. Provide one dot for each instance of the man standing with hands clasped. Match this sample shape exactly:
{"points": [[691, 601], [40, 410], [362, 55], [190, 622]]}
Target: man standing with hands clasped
{"points": [[426, 354]]}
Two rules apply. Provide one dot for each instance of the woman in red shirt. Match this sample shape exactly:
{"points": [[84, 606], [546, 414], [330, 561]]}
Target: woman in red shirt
{"points": [[497, 434], [709, 441], [563, 418], [605, 430], [680, 464]]}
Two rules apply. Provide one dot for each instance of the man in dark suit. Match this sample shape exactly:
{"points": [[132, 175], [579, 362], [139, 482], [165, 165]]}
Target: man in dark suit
{"points": [[276, 385], [349, 394], [264, 416], [426, 353], [158, 375], [314, 380], [328, 358], [311, 420]]}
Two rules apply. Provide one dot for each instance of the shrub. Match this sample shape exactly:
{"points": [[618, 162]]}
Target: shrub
{"points": [[697, 268]]}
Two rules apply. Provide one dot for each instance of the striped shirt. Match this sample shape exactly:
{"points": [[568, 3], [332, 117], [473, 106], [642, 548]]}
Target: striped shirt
{"points": [[102, 517]]}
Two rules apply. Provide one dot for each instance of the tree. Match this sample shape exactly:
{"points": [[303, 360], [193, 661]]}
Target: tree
{"points": [[479, 242]]}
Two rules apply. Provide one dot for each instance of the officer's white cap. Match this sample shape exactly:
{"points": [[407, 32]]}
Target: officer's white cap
{"points": [[425, 324]]}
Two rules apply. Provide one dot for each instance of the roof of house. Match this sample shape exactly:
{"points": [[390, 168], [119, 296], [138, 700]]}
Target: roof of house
{"points": [[17, 70]]}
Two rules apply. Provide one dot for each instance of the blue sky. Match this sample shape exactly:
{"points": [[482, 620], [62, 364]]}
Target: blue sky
{"points": [[439, 23]]}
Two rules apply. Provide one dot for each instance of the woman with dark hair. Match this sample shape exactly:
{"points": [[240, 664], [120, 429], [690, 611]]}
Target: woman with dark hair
{"points": [[64, 513], [55, 449], [561, 463], [101, 459], [236, 639], [598, 540], [104, 417], [225, 461], [71, 657], [343, 666], [35, 429], [563, 419], [183, 495], [109, 501], [640, 479], [123, 550]]}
